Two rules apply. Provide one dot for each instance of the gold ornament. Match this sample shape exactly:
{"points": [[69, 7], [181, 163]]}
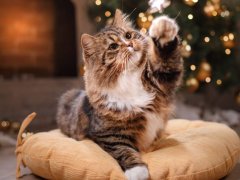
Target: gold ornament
{"points": [[190, 2], [204, 72], [228, 40], [192, 84], [186, 49], [144, 20], [212, 8]]}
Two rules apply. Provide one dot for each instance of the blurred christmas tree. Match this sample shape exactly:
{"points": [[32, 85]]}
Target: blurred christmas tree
{"points": [[209, 30]]}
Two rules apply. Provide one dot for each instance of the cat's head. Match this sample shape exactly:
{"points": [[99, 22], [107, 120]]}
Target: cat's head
{"points": [[115, 50]]}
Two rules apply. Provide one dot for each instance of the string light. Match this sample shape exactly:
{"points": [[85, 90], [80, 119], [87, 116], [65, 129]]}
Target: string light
{"points": [[225, 38], [185, 49], [143, 30], [208, 80], [193, 67], [188, 47], [205, 71], [150, 18], [107, 13], [214, 13], [192, 84], [98, 2], [212, 33], [144, 19], [219, 82], [190, 16], [225, 13], [5, 123], [98, 19], [231, 36], [141, 14], [189, 37], [206, 39], [228, 51]]}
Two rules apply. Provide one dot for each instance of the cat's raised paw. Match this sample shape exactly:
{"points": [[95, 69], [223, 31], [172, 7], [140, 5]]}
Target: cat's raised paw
{"points": [[164, 29], [137, 173]]}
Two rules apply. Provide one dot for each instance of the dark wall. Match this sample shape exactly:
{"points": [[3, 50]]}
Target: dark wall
{"points": [[37, 37], [65, 39]]}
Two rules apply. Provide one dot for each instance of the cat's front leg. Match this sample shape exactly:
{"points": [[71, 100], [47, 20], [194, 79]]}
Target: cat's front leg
{"points": [[165, 60], [129, 159]]}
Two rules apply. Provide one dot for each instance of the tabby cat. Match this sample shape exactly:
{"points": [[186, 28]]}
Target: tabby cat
{"points": [[130, 80]]}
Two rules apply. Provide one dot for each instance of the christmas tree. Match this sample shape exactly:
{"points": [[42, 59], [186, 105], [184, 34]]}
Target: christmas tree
{"points": [[209, 30]]}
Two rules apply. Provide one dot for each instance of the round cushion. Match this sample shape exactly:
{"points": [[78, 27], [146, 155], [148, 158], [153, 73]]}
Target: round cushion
{"points": [[191, 150]]}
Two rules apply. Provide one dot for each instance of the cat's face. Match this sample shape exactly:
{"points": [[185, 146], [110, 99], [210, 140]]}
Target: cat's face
{"points": [[115, 50]]}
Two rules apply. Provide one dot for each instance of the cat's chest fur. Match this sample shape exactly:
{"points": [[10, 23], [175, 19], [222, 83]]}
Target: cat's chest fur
{"points": [[129, 93]]}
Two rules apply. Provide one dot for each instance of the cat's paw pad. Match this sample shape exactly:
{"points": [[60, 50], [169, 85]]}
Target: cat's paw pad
{"points": [[137, 173], [164, 29]]}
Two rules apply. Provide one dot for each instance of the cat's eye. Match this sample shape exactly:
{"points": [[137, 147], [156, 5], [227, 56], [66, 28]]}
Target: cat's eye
{"points": [[113, 46], [128, 35]]}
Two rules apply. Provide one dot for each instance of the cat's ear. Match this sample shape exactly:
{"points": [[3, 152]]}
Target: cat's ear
{"points": [[88, 42], [120, 20]]}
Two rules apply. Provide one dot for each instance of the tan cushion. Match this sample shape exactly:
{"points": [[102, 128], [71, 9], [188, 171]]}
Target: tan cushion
{"points": [[192, 150]]}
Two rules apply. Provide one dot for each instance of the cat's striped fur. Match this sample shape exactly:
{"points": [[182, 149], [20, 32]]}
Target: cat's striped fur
{"points": [[130, 82]]}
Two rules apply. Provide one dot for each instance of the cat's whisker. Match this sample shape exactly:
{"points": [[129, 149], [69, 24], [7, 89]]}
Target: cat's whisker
{"points": [[125, 65], [179, 13], [131, 12]]}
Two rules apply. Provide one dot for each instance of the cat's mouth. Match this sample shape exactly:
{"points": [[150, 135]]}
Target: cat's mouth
{"points": [[133, 46], [131, 49]]}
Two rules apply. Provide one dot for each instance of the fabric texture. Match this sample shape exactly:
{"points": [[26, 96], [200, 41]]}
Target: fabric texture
{"points": [[194, 150]]}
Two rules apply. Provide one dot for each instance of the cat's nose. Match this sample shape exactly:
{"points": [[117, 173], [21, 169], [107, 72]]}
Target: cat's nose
{"points": [[129, 44]]}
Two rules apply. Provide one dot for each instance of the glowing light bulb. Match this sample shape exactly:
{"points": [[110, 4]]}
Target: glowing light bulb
{"points": [[208, 80], [190, 16], [231, 36], [107, 13], [225, 38], [188, 48], [193, 67], [141, 14], [228, 51], [98, 2], [219, 82], [143, 30], [206, 39]]}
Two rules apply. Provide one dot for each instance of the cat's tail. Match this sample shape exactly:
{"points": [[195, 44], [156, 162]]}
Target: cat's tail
{"points": [[68, 112]]}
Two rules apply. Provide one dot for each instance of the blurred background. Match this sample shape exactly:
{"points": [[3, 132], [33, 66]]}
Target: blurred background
{"points": [[40, 56]]}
